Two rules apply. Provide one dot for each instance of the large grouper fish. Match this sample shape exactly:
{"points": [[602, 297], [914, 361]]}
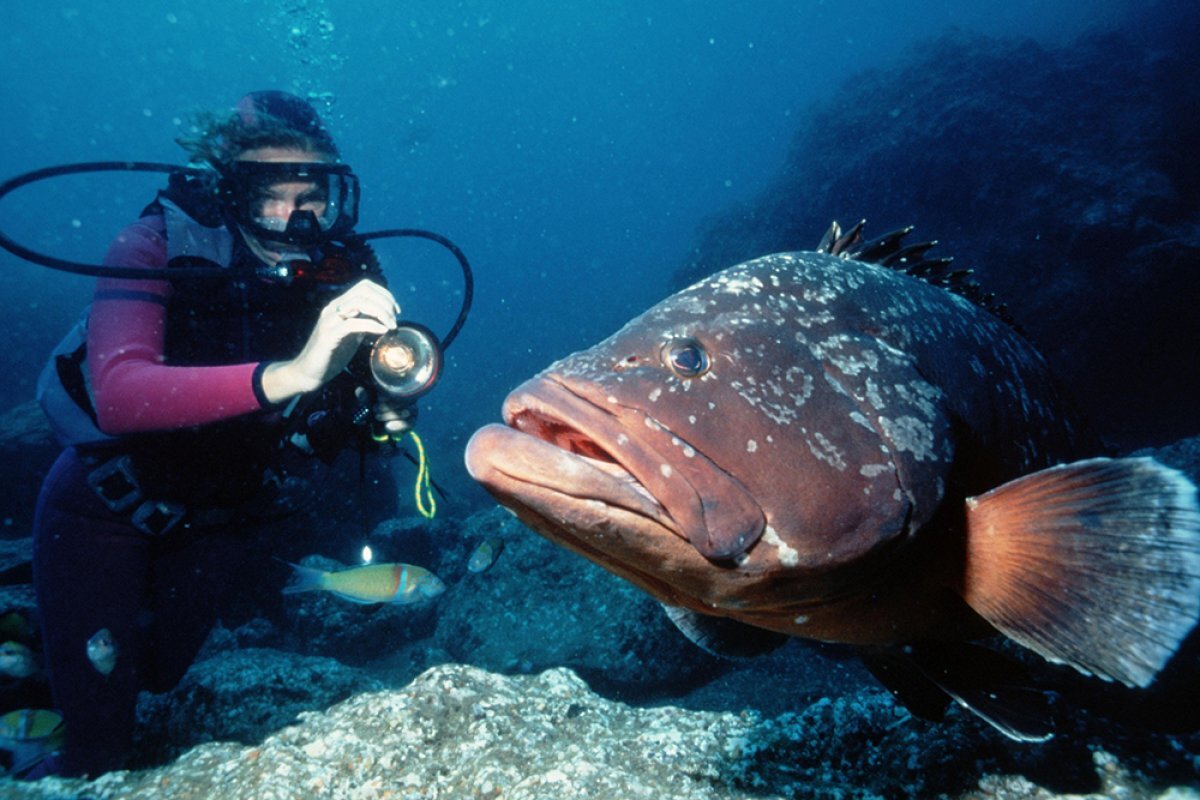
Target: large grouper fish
{"points": [[814, 445]]}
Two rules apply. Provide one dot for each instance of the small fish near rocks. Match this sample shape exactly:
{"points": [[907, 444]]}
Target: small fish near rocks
{"points": [[399, 584], [28, 736], [102, 651], [484, 555], [853, 445], [16, 661]]}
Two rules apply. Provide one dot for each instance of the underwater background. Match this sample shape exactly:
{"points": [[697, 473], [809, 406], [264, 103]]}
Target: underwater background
{"points": [[572, 150], [590, 158]]}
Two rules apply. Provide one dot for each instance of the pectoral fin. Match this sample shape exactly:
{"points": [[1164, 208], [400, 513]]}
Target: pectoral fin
{"points": [[722, 637]]}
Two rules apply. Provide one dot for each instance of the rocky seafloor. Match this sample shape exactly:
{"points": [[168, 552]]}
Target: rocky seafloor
{"points": [[545, 677], [458, 731]]}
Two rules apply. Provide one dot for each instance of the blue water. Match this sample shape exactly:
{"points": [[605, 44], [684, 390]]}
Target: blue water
{"points": [[572, 149]]}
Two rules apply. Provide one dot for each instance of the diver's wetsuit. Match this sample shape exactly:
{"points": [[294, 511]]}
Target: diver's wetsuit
{"points": [[175, 373]]}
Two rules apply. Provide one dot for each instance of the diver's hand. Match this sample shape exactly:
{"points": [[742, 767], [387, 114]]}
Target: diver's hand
{"points": [[389, 416], [395, 419], [366, 308]]}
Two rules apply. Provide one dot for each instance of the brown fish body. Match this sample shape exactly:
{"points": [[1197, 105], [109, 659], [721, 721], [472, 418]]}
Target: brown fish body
{"points": [[844, 403], [796, 443]]}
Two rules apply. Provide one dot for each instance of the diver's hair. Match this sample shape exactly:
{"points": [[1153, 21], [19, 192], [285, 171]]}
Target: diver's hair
{"points": [[218, 139]]}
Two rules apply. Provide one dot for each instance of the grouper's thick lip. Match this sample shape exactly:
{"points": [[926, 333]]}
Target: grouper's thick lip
{"points": [[621, 456]]}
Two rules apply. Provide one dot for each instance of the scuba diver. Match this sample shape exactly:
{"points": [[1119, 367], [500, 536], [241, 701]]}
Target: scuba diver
{"points": [[192, 387]]}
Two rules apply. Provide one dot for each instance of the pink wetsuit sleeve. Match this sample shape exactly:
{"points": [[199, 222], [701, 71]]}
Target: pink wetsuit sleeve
{"points": [[132, 388]]}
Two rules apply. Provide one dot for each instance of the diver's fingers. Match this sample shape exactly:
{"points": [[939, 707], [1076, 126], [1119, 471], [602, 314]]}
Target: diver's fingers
{"points": [[360, 325], [366, 297], [397, 425], [376, 308], [396, 420]]}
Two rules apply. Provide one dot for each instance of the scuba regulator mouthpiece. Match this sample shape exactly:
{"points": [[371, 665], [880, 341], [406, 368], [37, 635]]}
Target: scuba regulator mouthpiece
{"points": [[407, 361]]}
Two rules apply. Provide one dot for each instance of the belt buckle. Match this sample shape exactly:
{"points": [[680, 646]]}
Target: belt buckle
{"points": [[115, 483], [156, 517]]}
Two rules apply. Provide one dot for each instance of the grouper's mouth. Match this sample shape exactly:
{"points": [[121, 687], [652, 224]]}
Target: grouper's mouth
{"points": [[580, 461]]}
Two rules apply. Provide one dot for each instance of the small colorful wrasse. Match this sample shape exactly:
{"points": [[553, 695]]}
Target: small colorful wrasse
{"points": [[29, 725], [375, 583], [29, 735]]}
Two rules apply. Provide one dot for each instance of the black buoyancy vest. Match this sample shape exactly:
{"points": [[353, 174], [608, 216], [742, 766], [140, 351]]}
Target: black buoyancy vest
{"points": [[210, 322]]}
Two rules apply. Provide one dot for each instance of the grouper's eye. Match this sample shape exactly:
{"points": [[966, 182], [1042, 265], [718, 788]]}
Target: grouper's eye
{"points": [[687, 358]]}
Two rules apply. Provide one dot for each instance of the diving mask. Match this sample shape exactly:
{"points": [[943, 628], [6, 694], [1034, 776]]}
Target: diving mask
{"points": [[291, 202]]}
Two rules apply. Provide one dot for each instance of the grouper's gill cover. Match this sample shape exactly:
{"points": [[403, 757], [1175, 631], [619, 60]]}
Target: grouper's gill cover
{"points": [[831, 449]]}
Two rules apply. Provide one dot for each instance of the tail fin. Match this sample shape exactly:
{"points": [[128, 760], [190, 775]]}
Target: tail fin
{"points": [[304, 579], [1095, 564]]}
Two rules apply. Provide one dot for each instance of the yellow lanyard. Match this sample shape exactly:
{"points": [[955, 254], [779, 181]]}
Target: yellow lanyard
{"points": [[422, 492], [426, 502]]}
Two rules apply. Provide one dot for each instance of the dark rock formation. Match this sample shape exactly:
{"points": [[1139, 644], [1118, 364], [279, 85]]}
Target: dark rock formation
{"points": [[1065, 177], [27, 449], [540, 606], [237, 695]]}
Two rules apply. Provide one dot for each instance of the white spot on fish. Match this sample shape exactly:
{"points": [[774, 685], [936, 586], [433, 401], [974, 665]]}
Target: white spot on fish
{"points": [[828, 452], [910, 435], [751, 446], [873, 395], [873, 470], [654, 395], [788, 556], [740, 284], [622, 439], [666, 470], [800, 619]]}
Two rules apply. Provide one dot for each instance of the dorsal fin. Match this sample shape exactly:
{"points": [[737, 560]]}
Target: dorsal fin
{"points": [[908, 254], [837, 243], [877, 251], [889, 251]]}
